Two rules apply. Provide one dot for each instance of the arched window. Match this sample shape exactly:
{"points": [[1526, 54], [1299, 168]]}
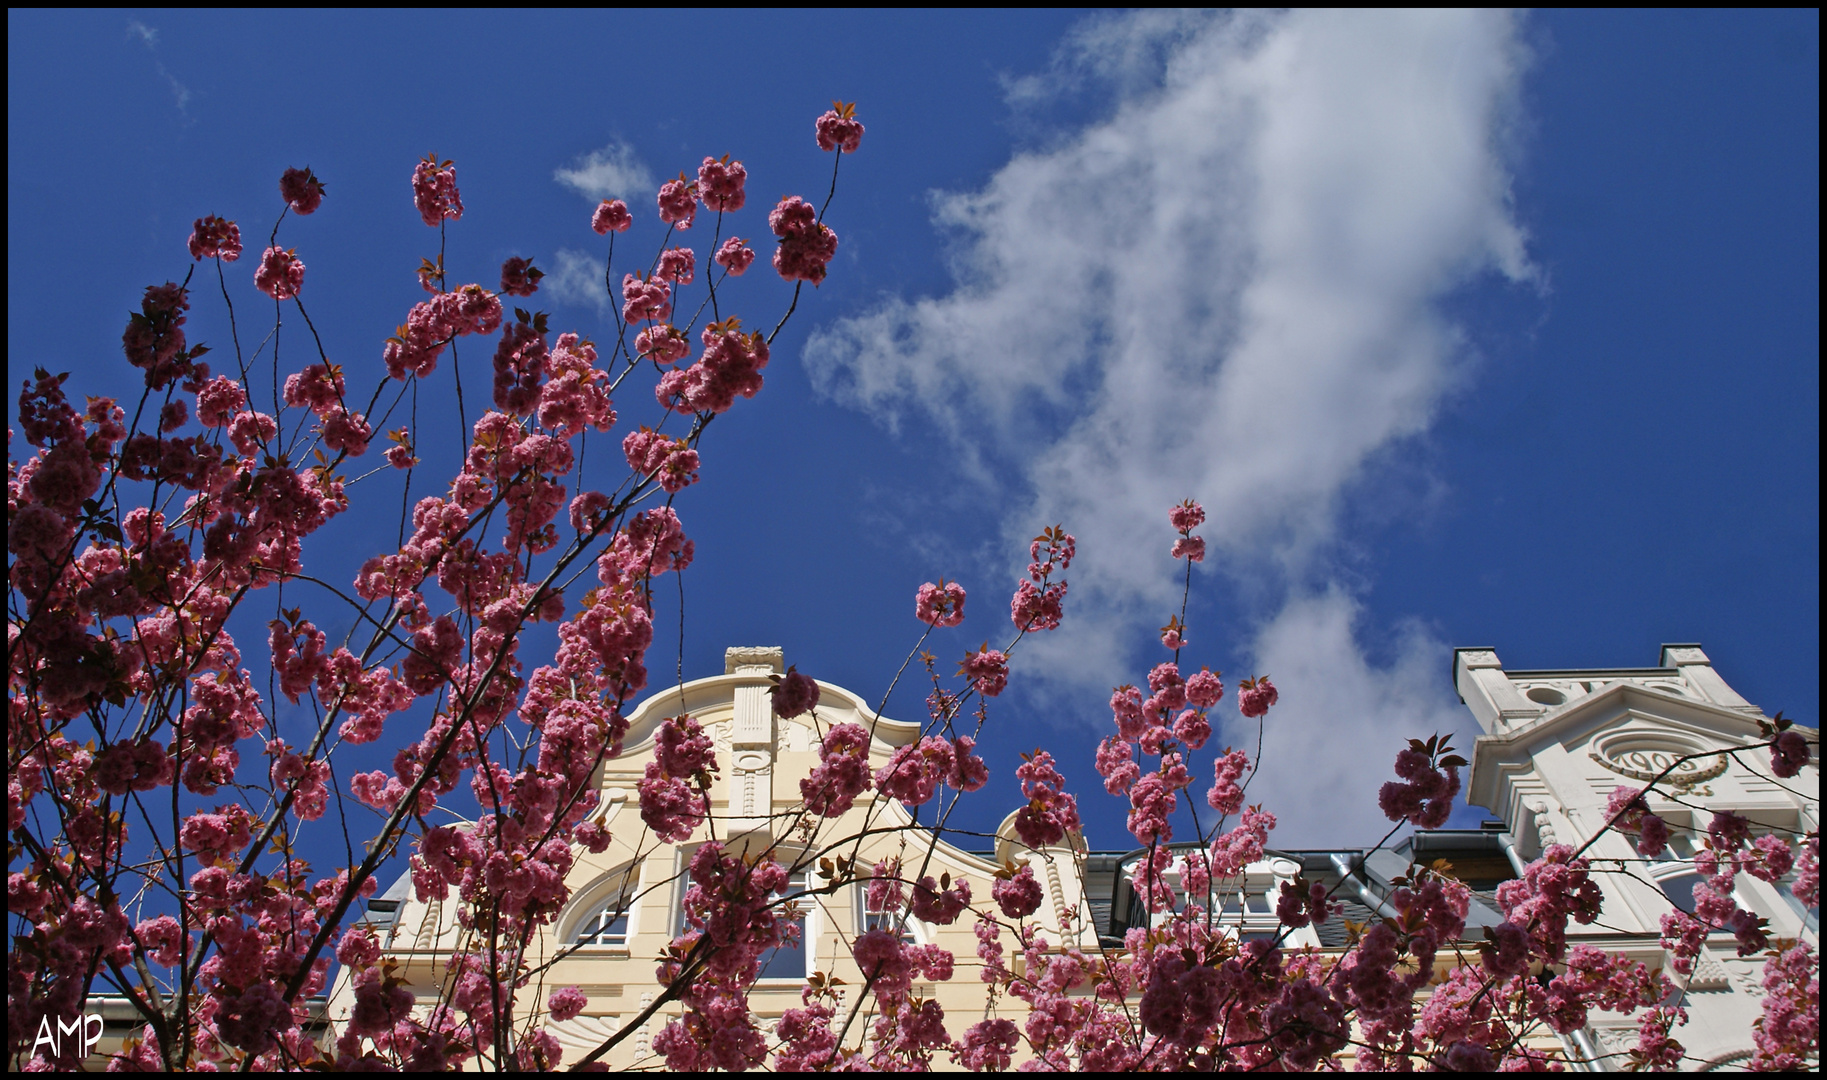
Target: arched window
{"points": [[608, 911], [870, 917]]}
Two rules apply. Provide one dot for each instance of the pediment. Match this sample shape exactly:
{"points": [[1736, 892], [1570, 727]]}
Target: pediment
{"points": [[1626, 727]]}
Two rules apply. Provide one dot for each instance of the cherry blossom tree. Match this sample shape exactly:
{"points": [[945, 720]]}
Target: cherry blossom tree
{"points": [[154, 808]]}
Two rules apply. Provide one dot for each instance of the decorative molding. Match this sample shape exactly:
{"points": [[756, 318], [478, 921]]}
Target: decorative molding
{"points": [[760, 658], [753, 722], [1615, 1040], [1709, 973], [1647, 765]]}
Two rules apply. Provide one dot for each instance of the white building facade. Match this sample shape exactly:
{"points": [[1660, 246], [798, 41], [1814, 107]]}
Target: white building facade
{"points": [[1555, 745]]}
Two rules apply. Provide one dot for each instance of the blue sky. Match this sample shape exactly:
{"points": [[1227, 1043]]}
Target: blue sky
{"points": [[1494, 331]]}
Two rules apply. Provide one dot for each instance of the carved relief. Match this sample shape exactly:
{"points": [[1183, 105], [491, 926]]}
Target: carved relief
{"points": [[1709, 973], [751, 786], [1615, 1040], [1544, 828], [643, 1040]]}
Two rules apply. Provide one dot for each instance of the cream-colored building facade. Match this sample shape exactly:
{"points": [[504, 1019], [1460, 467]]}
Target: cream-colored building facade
{"points": [[1555, 744]]}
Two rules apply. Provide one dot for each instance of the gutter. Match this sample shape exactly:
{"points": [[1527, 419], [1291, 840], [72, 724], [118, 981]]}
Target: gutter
{"points": [[1371, 899]]}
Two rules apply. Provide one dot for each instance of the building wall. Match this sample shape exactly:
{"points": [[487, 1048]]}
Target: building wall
{"points": [[1556, 744]]}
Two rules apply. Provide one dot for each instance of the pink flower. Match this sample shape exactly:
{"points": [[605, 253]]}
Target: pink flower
{"points": [[988, 670], [1205, 689], [434, 191], [1036, 609], [612, 215], [940, 903], [1190, 547], [842, 773], [1652, 836], [677, 265], [795, 695], [1254, 696], [644, 298], [941, 604], [678, 203], [1051, 812], [519, 277], [839, 127], [988, 1045], [302, 190], [969, 773], [1019, 895], [218, 400], [1187, 516], [1790, 754], [1116, 763], [807, 246], [720, 182], [914, 772], [735, 256], [281, 274], [566, 1003], [212, 237], [673, 464]]}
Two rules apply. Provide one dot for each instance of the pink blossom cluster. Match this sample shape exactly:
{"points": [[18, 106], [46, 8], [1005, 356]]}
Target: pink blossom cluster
{"points": [[678, 265], [1255, 696], [807, 245], [795, 695], [1552, 890], [662, 343], [1226, 795], [432, 324], [673, 799], [678, 202], [720, 182], [1051, 812], [1628, 813], [645, 299], [842, 772], [1038, 603], [281, 273], [301, 190], [434, 191], [839, 128], [1788, 1034], [611, 216], [154, 338], [941, 604], [1018, 895], [1186, 517], [1426, 798], [1790, 753], [735, 256], [729, 368], [987, 669], [213, 237], [669, 461], [519, 277]]}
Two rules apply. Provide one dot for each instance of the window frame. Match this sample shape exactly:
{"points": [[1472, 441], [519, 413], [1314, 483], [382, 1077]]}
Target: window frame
{"points": [[620, 887]]}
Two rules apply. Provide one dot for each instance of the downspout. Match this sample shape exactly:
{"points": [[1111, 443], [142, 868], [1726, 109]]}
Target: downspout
{"points": [[1371, 900], [1509, 848], [1583, 1039]]}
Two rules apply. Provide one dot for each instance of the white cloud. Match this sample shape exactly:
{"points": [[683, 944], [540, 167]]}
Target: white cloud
{"points": [[576, 278], [149, 37], [1227, 287], [613, 172], [1330, 742]]}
